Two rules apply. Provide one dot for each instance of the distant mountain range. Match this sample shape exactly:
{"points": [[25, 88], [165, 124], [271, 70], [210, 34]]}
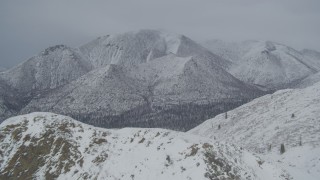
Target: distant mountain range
{"points": [[267, 64], [150, 78], [147, 78]]}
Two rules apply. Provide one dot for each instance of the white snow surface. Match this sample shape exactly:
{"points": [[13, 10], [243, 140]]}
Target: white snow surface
{"points": [[79, 151], [289, 117]]}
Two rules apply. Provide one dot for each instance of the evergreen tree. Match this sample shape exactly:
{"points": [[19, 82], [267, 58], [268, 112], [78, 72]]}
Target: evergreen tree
{"points": [[300, 141], [282, 149]]}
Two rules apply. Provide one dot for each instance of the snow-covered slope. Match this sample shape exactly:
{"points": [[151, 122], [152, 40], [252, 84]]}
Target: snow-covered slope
{"points": [[51, 146], [54, 67], [272, 119], [2, 69], [289, 117], [262, 63], [189, 79], [105, 90]]}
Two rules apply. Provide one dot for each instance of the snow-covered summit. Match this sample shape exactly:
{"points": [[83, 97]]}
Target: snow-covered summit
{"points": [[133, 48], [51, 68]]}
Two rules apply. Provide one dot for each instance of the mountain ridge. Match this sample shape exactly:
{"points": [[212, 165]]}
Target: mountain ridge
{"points": [[98, 83], [265, 63], [64, 64]]}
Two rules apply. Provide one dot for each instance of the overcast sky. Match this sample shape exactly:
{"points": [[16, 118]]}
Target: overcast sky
{"points": [[29, 26]]}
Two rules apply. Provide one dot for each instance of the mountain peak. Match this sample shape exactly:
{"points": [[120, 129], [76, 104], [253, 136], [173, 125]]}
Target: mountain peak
{"points": [[264, 63], [136, 47], [54, 48], [64, 64]]}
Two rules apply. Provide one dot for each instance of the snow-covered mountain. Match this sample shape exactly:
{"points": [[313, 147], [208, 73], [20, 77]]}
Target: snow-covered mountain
{"points": [[289, 117], [146, 92], [106, 91], [267, 64], [51, 146], [2, 69], [53, 67], [147, 78]]}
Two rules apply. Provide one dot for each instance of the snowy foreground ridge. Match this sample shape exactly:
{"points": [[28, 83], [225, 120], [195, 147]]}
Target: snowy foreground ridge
{"points": [[49, 146], [289, 117]]}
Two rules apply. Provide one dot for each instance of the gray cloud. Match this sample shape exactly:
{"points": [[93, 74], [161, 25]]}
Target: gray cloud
{"points": [[27, 27]]}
